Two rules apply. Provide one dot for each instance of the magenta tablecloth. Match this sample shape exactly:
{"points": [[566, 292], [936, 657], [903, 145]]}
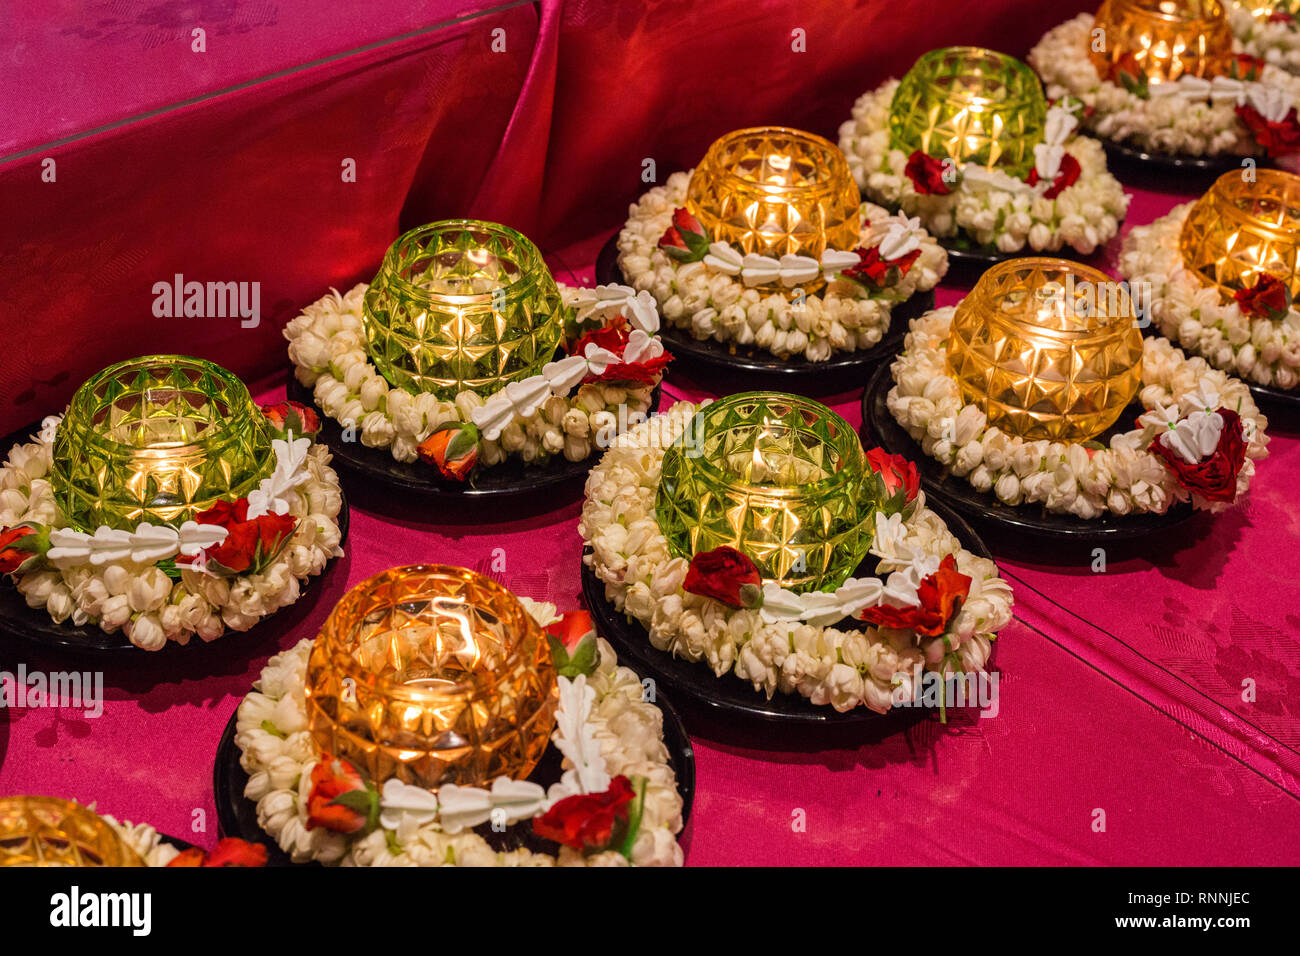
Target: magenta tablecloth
{"points": [[1120, 692]]}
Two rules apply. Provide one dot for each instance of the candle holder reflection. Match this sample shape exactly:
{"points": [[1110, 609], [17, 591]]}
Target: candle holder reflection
{"points": [[47, 831], [1048, 349], [775, 191], [462, 305], [970, 105], [1240, 230], [1164, 39], [432, 674], [157, 439], [776, 476]]}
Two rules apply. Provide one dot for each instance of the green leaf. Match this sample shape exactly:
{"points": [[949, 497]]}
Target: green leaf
{"points": [[273, 730], [635, 811], [582, 661]]}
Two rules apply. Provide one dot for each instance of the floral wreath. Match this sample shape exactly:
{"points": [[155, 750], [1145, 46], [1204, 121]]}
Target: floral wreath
{"points": [[1251, 111], [1197, 441], [616, 804], [1272, 37], [1256, 336], [707, 288], [1068, 198], [937, 609], [614, 359], [157, 850], [228, 567]]}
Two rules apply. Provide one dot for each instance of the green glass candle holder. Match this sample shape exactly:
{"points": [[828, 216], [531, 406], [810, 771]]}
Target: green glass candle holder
{"points": [[776, 476], [970, 105], [462, 305], [157, 439]]}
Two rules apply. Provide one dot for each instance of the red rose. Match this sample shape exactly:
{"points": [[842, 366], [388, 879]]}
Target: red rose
{"points": [[896, 472], [614, 337], [1279, 16], [229, 852], [685, 240], [249, 544], [338, 794], [1268, 298], [292, 417], [14, 550], [926, 174], [1066, 176], [940, 595], [453, 448], [1213, 478], [586, 821], [1278, 138], [571, 628], [874, 271], [726, 575]]}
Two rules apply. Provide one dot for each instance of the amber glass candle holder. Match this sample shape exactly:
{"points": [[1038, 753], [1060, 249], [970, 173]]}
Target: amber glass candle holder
{"points": [[157, 439], [1047, 348], [1239, 231], [970, 105], [432, 674], [47, 831], [462, 305], [1164, 38], [776, 191], [776, 476]]}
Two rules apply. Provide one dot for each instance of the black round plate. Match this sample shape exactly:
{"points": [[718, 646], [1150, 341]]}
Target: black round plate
{"points": [[510, 480], [984, 506], [1122, 154], [33, 626], [728, 696], [708, 357], [237, 815]]}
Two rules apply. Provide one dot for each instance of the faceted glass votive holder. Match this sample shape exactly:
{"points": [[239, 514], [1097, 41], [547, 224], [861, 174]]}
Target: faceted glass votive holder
{"points": [[1047, 348], [776, 476], [462, 305], [776, 191], [157, 439], [1239, 231], [970, 105], [432, 674], [47, 831], [1166, 38]]}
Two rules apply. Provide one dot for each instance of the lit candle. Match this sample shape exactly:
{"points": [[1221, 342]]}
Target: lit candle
{"points": [[1165, 39], [433, 675], [46, 831]]}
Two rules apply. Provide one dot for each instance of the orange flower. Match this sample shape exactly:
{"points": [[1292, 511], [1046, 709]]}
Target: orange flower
{"points": [[338, 796], [231, 851], [453, 448], [293, 417], [940, 596], [12, 553]]}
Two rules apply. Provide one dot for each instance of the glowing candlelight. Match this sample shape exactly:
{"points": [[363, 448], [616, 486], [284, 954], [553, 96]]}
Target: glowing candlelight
{"points": [[434, 675], [157, 439], [970, 105], [46, 831], [1241, 230], [776, 191], [1165, 39], [462, 304], [1047, 348], [777, 477]]}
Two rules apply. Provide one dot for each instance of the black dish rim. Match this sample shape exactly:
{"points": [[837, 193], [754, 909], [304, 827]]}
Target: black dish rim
{"points": [[728, 697], [979, 506], [1217, 164], [237, 815]]}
